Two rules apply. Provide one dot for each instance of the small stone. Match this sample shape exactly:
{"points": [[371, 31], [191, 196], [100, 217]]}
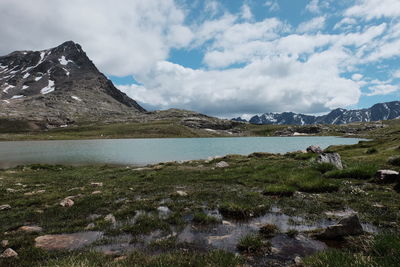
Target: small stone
{"points": [[30, 229], [377, 205], [10, 190], [222, 164], [96, 192], [97, 184], [39, 211], [5, 207], [387, 176], [181, 193], [4, 243], [120, 258], [110, 218], [298, 261], [67, 202], [93, 217], [9, 253], [90, 226]]}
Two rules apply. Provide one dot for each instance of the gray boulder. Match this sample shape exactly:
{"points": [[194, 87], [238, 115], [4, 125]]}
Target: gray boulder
{"points": [[387, 176], [346, 227], [332, 158]]}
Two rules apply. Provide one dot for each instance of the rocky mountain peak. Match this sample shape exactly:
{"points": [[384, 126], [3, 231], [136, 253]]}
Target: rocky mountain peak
{"points": [[58, 82]]}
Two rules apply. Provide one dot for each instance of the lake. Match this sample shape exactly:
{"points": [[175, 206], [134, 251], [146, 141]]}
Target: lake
{"points": [[146, 151]]}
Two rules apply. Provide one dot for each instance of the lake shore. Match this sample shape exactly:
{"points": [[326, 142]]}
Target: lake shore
{"points": [[227, 211]]}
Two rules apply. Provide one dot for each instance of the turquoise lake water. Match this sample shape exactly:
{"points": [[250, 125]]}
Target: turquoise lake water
{"points": [[145, 151]]}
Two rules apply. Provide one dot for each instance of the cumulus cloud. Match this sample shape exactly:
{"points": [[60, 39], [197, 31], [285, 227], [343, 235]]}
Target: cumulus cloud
{"points": [[370, 9], [122, 37], [314, 24]]}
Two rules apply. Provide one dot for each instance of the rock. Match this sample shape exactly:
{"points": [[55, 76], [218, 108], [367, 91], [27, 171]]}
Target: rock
{"points": [[346, 227], [181, 193], [298, 261], [120, 258], [332, 158], [34, 192], [96, 184], [387, 176], [5, 207], [314, 149], [10, 190], [96, 192], [93, 217], [110, 218], [9, 253], [30, 229], [90, 226], [4, 243], [222, 164], [67, 241], [67, 202]]}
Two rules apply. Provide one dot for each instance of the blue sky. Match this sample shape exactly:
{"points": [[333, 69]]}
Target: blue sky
{"points": [[227, 57]]}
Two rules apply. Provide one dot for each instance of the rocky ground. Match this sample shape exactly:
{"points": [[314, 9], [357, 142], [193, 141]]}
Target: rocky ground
{"points": [[301, 208]]}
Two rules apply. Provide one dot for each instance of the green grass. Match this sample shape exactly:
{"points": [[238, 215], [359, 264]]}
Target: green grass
{"points": [[279, 190], [204, 219], [384, 251], [362, 172], [252, 243]]}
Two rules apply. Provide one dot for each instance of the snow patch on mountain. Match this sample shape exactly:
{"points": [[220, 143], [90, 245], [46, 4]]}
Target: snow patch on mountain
{"points": [[48, 89]]}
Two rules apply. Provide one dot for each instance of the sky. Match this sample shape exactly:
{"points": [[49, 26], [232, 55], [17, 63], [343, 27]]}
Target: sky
{"points": [[225, 58]]}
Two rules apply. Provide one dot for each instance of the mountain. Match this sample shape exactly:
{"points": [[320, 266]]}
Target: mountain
{"points": [[59, 85], [381, 111]]}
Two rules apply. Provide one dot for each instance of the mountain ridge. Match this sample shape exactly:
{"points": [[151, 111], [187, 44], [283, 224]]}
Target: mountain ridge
{"points": [[59, 85], [378, 112]]}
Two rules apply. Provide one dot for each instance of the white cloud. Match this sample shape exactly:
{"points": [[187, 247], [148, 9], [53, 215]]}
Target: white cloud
{"points": [[370, 9], [246, 12], [280, 84], [382, 89], [345, 23], [272, 5], [356, 77], [314, 24], [313, 6], [122, 37]]}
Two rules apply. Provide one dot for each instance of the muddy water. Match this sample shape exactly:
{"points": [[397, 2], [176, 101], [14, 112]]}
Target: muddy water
{"points": [[226, 235]]}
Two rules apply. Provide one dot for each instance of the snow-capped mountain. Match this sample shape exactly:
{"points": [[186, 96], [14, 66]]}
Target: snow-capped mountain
{"points": [[59, 85], [381, 111]]}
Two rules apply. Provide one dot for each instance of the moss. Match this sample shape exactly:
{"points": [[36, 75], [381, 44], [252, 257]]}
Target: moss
{"points": [[359, 172]]}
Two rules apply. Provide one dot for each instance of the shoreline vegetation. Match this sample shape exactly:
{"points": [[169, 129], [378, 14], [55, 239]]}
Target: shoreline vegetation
{"points": [[261, 209]]}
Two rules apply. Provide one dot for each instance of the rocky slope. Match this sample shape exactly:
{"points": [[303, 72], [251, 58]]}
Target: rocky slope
{"points": [[381, 111], [58, 86]]}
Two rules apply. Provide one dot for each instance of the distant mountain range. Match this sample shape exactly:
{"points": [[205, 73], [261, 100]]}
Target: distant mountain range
{"points": [[381, 111], [59, 85]]}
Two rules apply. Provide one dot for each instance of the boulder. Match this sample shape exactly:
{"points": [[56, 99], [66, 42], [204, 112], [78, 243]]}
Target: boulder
{"points": [[222, 164], [5, 207], [67, 241], [67, 202], [4, 243], [110, 218], [332, 158], [9, 253], [314, 149], [30, 229], [387, 176], [181, 193], [346, 227]]}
